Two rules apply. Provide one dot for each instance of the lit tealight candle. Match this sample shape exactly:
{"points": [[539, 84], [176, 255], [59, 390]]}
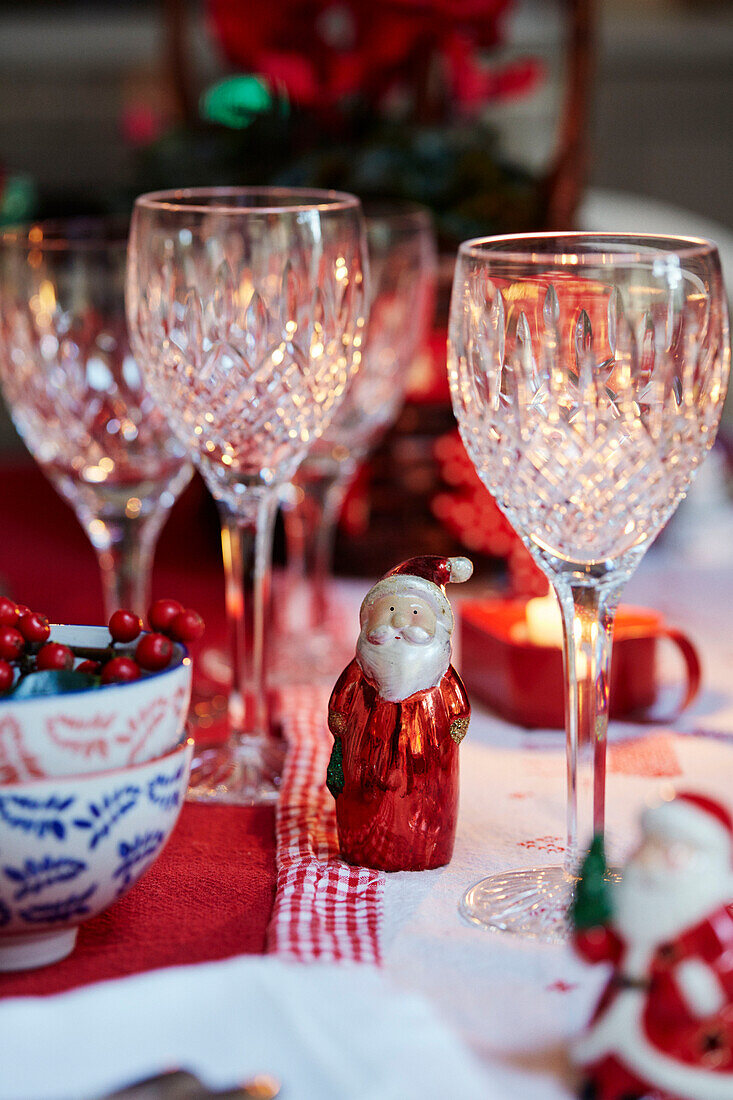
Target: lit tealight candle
{"points": [[544, 623]]}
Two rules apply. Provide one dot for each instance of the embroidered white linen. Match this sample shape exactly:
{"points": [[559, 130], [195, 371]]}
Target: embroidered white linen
{"points": [[325, 1031]]}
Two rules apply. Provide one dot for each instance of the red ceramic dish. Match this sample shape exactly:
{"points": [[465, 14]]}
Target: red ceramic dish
{"points": [[523, 682]]}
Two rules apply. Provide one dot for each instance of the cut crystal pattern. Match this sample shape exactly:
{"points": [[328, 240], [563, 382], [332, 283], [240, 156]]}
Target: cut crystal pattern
{"points": [[586, 408], [402, 278], [247, 344], [73, 386]]}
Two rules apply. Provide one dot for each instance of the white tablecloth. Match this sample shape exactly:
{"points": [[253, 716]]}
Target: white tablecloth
{"points": [[514, 1003], [326, 1032]]}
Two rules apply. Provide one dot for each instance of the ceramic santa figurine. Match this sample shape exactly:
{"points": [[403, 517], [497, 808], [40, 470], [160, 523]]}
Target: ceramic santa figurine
{"points": [[398, 714], [663, 1029]]}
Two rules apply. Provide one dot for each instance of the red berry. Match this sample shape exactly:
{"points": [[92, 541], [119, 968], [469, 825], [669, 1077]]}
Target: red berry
{"points": [[22, 610], [8, 612], [12, 643], [91, 668], [120, 670], [124, 626], [34, 627], [161, 614], [188, 626], [54, 656], [153, 652], [6, 676]]}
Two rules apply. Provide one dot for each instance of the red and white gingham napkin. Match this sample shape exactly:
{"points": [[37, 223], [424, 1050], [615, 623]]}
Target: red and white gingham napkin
{"points": [[324, 909]]}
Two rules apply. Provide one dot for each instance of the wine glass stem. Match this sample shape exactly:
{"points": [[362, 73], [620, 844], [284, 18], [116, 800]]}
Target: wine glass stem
{"points": [[310, 534], [246, 539], [125, 547], [588, 612]]}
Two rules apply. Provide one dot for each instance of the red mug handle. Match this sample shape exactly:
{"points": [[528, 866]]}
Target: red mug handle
{"points": [[693, 672]]}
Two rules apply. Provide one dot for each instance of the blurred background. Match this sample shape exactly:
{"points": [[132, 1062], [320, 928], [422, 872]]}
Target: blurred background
{"points": [[84, 85], [533, 114]]}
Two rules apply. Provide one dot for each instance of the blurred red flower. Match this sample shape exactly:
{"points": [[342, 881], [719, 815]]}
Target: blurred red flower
{"points": [[324, 50]]}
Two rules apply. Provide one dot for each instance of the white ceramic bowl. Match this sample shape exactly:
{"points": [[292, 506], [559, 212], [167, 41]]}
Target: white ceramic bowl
{"points": [[72, 846], [91, 731]]}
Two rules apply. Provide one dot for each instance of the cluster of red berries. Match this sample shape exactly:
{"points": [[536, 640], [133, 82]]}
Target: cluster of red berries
{"points": [[21, 630], [169, 622], [24, 644]]}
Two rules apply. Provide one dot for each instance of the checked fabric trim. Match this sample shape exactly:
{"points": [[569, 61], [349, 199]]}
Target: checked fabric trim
{"points": [[325, 910]]}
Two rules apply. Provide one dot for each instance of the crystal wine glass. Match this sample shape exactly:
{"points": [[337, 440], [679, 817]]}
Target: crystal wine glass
{"points": [[403, 270], [77, 398], [588, 373], [247, 308]]}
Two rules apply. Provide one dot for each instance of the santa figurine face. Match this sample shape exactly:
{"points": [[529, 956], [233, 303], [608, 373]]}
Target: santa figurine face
{"points": [[680, 871], [400, 619], [406, 625], [403, 647], [658, 858]]}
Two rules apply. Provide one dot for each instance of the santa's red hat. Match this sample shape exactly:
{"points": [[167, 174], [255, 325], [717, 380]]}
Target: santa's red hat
{"points": [[426, 577], [694, 819]]}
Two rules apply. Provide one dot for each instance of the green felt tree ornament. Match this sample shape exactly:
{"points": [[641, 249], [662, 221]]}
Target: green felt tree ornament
{"points": [[591, 904]]}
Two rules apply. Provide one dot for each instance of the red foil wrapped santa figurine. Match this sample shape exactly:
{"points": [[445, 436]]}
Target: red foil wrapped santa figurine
{"points": [[663, 1029], [398, 714]]}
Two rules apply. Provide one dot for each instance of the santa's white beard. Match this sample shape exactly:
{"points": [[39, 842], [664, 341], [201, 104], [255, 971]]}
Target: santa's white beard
{"points": [[656, 906], [401, 662]]}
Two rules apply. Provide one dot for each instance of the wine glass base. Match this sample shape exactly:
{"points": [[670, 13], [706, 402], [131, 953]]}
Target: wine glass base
{"points": [[246, 773], [533, 903]]}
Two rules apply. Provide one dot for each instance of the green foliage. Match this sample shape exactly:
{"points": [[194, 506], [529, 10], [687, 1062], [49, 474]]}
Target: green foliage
{"points": [[453, 170], [53, 682], [591, 905], [238, 101], [207, 156], [18, 199]]}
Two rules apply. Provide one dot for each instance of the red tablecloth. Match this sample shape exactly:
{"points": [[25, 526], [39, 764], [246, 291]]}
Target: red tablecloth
{"points": [[207, 897], [211, 893], [47, 561]]}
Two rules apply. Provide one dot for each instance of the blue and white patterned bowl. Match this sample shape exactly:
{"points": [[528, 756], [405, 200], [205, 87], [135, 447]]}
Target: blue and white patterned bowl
{"points": [[71, 846]]}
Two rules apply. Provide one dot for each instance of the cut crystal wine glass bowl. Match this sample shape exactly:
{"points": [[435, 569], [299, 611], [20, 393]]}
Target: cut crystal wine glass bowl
{"points": [[586, 406], [250, 340], [403, 270], [77, 397], [247, 308], [588, 374]]}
